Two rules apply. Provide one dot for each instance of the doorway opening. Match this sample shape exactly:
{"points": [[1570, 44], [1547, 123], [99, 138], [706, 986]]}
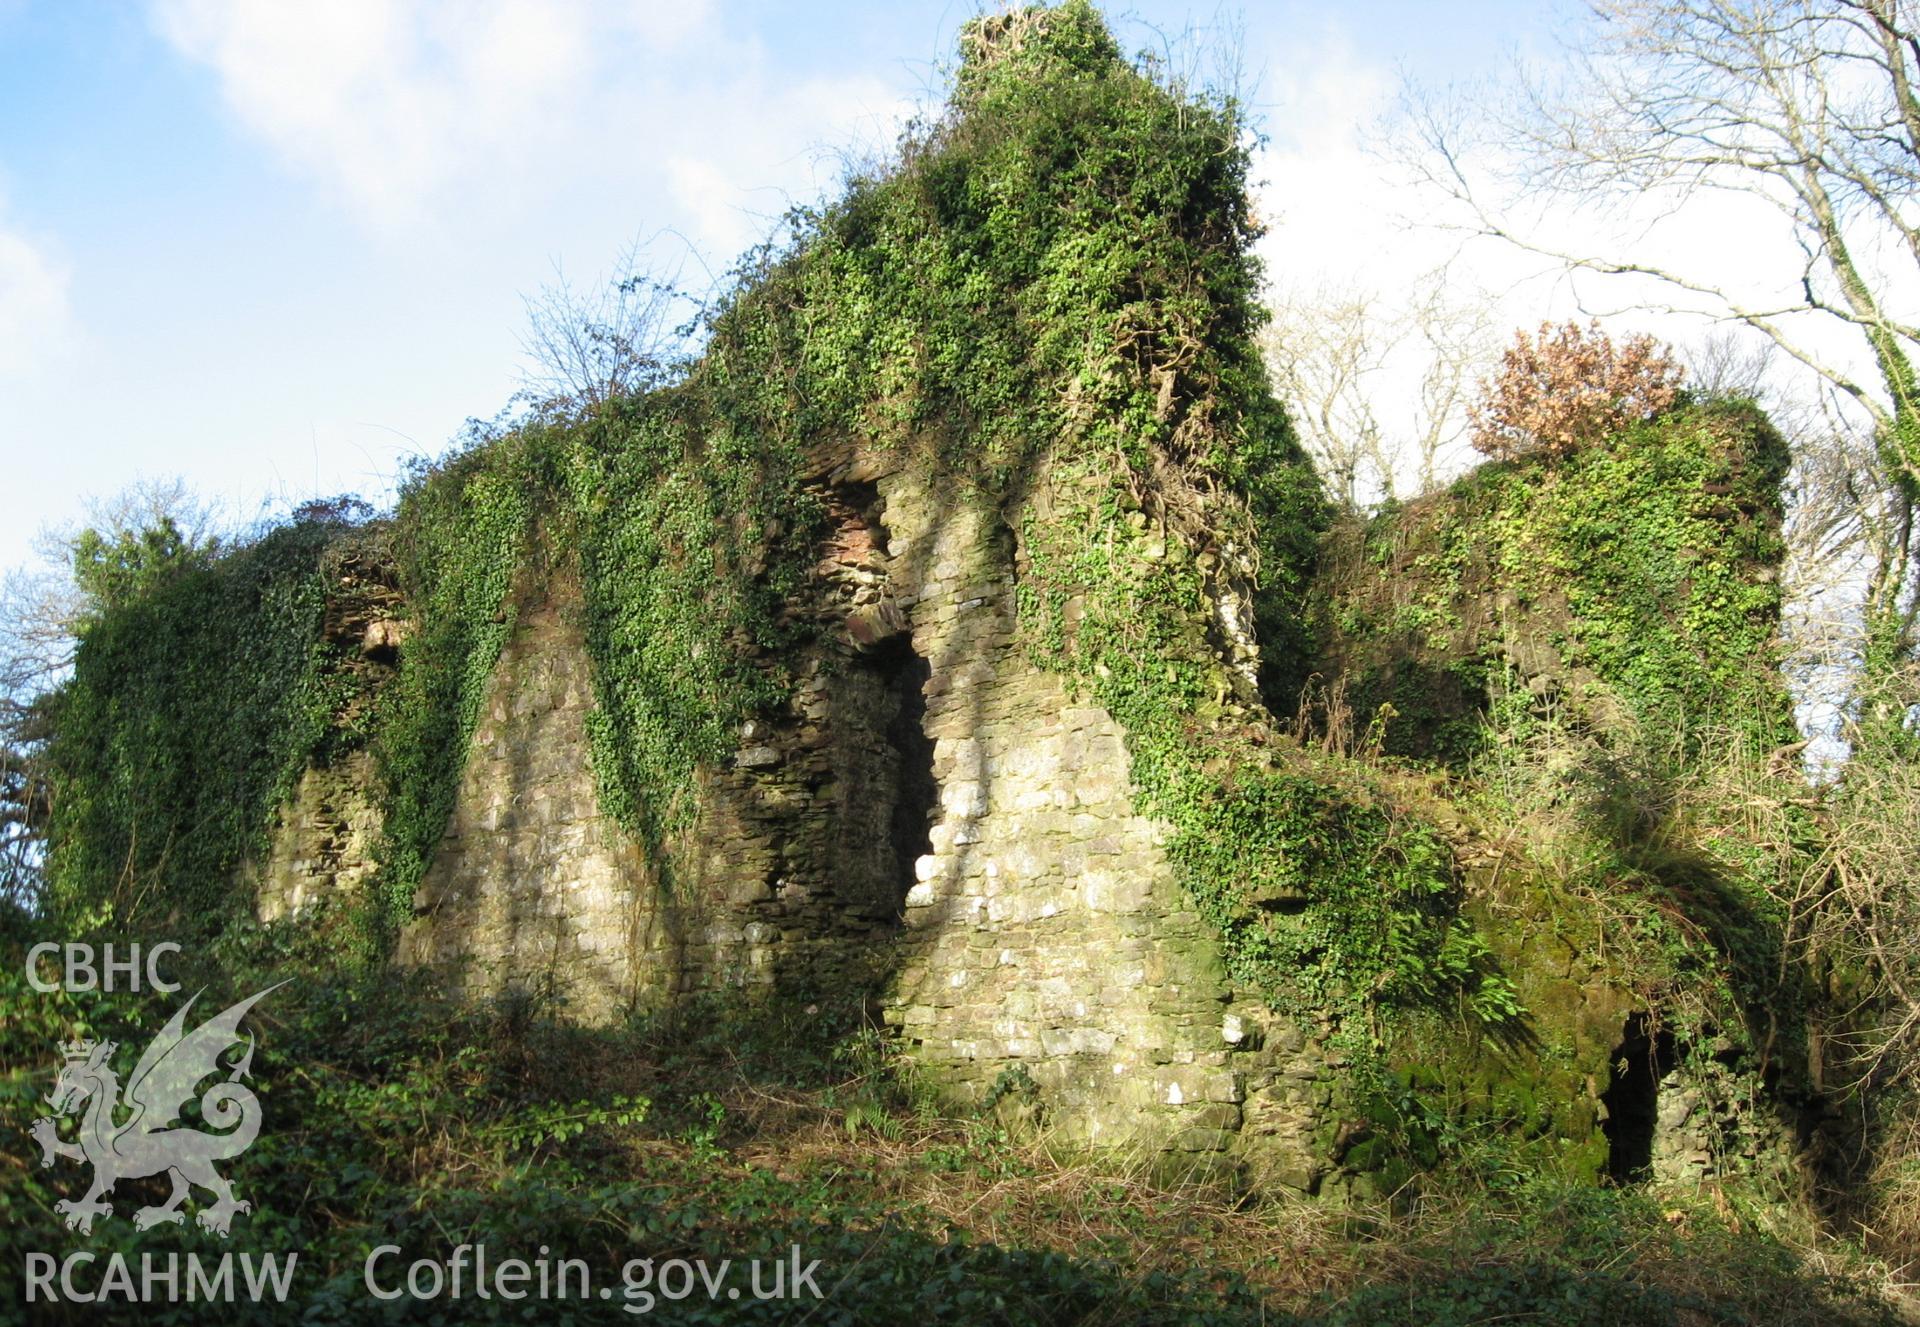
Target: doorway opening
{"points": [[1644, 1056]]}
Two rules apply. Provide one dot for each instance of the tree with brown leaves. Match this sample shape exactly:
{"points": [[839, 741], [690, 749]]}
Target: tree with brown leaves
{"points": [[1566, 388]]}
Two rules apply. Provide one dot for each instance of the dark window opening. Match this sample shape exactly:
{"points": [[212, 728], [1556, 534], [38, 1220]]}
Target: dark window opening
{"points": [[1644, 1056], [915, 792]]}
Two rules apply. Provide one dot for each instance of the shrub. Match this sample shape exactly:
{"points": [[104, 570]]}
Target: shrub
{"points": [[1565, 388]]}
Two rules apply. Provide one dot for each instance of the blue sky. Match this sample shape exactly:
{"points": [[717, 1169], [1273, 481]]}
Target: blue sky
{"points": [[272, 248]]}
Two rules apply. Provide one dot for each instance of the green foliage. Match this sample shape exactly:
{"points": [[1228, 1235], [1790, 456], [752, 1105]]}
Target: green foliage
{"points": [[392, 1118], [1059, 274], [1327, 898], [1588, 644], [1375, 925], [681, 516], [1053, 293], [192, 706], [1649, 565], [1062, 266], [1575, 1256], [692, 530], [1064, 270], [115, 567], [463, 532], [1657, 540]]}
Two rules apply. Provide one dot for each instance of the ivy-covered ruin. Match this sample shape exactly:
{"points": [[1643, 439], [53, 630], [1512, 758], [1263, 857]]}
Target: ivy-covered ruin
{"points": [[965, 631]]}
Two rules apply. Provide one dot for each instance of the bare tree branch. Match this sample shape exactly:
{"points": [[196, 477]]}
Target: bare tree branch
{"points": [[617, 339], [1333, 353], [1807, 107]]}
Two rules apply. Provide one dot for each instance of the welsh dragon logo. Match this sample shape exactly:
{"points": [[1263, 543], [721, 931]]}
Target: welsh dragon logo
{"points": [[148, 1142]]}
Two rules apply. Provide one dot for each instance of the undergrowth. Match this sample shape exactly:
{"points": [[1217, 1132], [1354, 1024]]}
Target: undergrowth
{"points": [[1048, 305], [737, 1131]]}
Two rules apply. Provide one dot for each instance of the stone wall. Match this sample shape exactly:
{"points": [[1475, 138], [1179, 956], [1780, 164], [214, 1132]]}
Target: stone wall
{"points": [[1047, 940], [932, 818], [1711, 1121], [935, 821], [324, 841], [323, 845], [534, 887]]}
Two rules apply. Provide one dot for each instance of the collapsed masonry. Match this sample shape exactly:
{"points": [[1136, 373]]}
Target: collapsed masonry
{"points": [[935, 820], [967, 506]]}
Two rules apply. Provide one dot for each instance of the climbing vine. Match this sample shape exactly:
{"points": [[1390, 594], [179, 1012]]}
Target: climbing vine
{"points": [[465, 530], [192, 707], [1055, 279], [1327, 898], [1648, 563]]}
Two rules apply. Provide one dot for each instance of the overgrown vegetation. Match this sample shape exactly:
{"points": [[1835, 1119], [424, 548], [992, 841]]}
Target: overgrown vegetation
{"points": [[1638, 580], [1577, 649], [196, 697], [733, 1131], [1059, 275], [1049, 304]]}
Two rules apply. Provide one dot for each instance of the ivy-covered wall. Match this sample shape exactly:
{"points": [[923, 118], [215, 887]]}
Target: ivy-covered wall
{"points": [[193, 707], [925, 637], [1634, 584], [1570, 646]]}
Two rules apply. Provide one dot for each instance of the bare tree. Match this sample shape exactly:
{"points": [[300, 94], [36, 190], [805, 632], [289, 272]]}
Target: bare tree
{"points": [[617, 339], [39, 613], [1456, 337], [1334, 353], [1809, 109], [1322, 349], [1725, 365]]}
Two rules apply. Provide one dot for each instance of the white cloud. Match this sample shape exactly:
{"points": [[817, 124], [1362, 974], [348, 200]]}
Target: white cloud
{"points": [[36, 319], [759, 147], [1345, 220], [391, 100], [714, 204], [422, 110]]}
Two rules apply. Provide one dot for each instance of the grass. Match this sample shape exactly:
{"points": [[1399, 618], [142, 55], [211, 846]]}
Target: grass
{"points": [[729, 1129], [1477, 1244]]}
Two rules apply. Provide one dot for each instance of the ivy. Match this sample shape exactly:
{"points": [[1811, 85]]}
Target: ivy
{"points": [[1648, 562], [192, 707], [1057, 279], [464, 531], [1328, 900]]}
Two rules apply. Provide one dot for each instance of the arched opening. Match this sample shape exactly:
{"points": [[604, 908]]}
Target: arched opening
{"points": [[910, 826], [1644, 1056], [880, 770]]}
